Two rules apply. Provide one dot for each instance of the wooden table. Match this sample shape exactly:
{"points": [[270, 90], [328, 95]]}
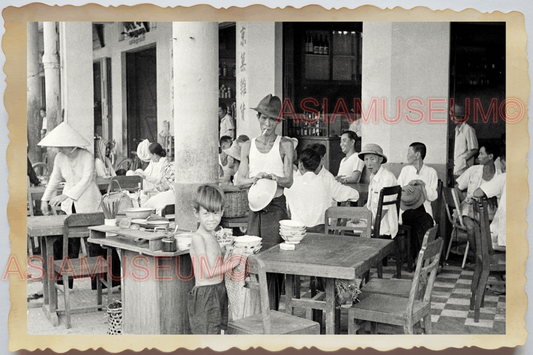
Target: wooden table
{"points": [[155, 285], [331, 257], [363, 192], [49, 229]]}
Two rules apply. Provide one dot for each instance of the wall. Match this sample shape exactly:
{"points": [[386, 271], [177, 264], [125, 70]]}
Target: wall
{"points": [[406, 60], [259, 70], [115, 50]]}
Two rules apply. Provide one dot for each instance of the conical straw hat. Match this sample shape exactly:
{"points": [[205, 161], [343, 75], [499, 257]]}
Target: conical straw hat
{"points": [[64, 136]]}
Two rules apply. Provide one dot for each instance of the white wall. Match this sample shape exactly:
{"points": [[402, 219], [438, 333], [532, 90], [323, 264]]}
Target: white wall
{"points": [[262, 73], [406, 60]]}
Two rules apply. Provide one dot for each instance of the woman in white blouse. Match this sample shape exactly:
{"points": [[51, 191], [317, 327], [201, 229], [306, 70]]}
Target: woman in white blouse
{"points": [[154, 173]]}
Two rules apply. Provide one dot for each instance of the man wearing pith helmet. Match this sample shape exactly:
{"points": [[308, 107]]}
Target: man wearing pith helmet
{"points": [[372, 155], [268, 156]]}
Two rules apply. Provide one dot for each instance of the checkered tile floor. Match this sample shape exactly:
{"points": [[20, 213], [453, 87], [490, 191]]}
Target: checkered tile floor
{"points": [[450, 307]]}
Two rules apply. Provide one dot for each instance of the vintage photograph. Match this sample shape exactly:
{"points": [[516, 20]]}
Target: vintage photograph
{"points": [[269, 178]]}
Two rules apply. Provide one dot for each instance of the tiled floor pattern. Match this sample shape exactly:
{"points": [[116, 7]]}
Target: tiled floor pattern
{"points": [[450, 307]]}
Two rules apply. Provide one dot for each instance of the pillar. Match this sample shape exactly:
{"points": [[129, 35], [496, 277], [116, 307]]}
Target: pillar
{"points": [[34, 93], [406, 60], [52, 84], [259, 70], [77, 89], [195, 69]]}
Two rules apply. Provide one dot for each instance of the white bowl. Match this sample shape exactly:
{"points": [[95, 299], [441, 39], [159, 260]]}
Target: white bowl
{"points": [[138, 212], [292, 233], [261, 193], [247, 239], [293, 239], [289, 223]]}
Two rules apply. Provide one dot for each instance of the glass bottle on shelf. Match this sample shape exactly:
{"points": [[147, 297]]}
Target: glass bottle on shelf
{"points": [[315, 45], [224, 70], [326, 46]]}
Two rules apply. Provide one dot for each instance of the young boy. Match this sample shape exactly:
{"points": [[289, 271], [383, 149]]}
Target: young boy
{"points": [[208, 300]]}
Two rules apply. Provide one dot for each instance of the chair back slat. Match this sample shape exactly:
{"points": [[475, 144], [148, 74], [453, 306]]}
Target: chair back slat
{"points": [[76, 226], [427, 263], [386, 192], [336, 217]]}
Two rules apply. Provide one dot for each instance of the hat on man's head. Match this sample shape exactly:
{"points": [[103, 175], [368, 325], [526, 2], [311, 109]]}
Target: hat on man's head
{"points": [[415, 199], [372, 149], [64, 136], [270, 106]]}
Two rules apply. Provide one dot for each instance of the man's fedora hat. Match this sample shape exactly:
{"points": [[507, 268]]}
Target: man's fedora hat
{"points": [[270, 106], [64, 136], [372, 149]]}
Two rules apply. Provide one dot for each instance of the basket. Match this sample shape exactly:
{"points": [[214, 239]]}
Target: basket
{"points": [[114, 318], [236, 204]]}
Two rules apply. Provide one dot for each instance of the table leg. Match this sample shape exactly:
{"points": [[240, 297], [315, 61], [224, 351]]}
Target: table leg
{"points": [[330, 306], [288, 294], [46, 298], [50, 307]]}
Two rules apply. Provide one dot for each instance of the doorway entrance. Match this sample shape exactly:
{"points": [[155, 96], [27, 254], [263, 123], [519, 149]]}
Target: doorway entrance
{"points": [[141, 91]]}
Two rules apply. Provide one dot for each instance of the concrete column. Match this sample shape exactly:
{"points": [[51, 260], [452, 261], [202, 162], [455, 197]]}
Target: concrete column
{"points": [[195, 66], [77, 77], [406, 60], [259, 70], [51, 73], [34, 93]]}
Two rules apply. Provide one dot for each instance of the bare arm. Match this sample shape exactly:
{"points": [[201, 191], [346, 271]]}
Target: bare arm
{"points": [[354, 178], [287, 151], [471, 153], [241, 178]]}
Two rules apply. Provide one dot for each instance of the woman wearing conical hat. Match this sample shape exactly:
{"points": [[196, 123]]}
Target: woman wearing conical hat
{"points": [[75, 165]]}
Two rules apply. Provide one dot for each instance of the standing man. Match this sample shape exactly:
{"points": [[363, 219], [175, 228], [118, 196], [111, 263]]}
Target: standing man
{"points": [[227, 128], [268, 156], [466, 146]]}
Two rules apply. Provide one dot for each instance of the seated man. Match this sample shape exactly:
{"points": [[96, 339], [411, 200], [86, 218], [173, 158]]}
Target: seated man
{"points": [[372, 155], [470, 180], [496, 188], [418, 175], [310, 195]]}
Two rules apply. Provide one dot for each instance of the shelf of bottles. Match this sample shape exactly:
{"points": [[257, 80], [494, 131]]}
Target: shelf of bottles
{"points": [[227, 72], [480, 69], [312, 124], [332, 55]]}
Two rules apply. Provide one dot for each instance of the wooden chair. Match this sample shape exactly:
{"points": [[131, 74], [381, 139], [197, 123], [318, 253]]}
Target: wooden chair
{"points": [[130, 183], [268, 321], [75, 227], [451, 201], [398, 287], [401, 311], [336, 216], [385, 200], [487, 260]]}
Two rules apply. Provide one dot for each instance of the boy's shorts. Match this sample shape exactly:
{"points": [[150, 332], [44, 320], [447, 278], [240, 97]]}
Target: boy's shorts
{"points": [[208, 309]]}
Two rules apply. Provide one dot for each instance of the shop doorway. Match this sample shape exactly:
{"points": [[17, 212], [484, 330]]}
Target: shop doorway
{"points": [[141, 91]]}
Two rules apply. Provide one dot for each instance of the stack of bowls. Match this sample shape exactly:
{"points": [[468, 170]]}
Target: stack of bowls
{"points": [[292, 231], [249, 243]]}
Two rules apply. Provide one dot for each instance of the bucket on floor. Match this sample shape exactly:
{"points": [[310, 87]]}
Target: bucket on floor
{"points": [[114, 318]]}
